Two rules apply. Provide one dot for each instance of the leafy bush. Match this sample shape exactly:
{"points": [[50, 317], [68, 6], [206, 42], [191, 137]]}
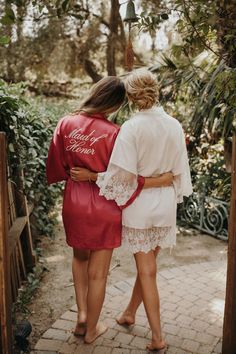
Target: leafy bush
{"points": [[208, 170], [26, 292], [28, 135], [200, 94]]}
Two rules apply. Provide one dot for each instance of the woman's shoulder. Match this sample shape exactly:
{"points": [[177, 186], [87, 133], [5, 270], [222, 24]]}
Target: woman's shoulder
{"points": [[67, 118], [129, 125], [140, 117], [132, 121], [63, 121], [112, 125], [107, 126], [84, 119], [165, 114]]}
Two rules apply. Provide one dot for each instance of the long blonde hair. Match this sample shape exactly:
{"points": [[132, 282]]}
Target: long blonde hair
{"points": [[142, 89], [107, 94]]}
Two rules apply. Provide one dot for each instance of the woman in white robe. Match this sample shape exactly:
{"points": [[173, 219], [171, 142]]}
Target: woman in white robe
{"points": [[149, 144]]}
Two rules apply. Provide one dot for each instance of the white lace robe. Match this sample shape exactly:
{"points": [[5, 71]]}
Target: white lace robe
{"points": [[149, 144]]}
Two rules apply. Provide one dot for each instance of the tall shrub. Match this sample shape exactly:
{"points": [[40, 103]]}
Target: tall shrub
{"points": [[28, 137]]}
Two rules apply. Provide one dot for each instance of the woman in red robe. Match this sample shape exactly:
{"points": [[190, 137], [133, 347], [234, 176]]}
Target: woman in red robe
{"points": [[92, 224]]}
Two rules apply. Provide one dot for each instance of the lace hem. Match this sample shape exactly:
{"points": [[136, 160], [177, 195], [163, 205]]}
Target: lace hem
{"points": [[115, 189], [145, 240]]}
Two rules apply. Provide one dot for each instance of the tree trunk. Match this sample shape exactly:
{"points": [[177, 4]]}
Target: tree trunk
{"points": [[9, 56], [122, 37], [225, 23], [229, 328], [20, 64], [112, 37], [89, 67]]}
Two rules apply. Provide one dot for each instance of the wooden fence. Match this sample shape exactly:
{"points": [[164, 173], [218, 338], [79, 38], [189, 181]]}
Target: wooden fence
{"points": [[16, 251], [229, 328]]}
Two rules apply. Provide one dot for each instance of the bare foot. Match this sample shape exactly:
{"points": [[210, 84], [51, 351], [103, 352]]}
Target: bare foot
{"points": [[126, 319], [80, 329], [157, 345], [100, 329]]}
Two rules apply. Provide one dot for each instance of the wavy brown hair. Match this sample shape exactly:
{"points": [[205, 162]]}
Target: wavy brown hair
{"points": [[106, 95]]}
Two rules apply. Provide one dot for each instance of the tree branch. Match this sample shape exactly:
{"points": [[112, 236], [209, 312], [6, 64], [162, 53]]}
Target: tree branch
{"points": [[196, 31]]}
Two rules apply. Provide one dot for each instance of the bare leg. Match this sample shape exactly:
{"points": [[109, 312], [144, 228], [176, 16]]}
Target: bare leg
{"points": [[97, 273], [146, 266], [80, 277], [128, 316]]}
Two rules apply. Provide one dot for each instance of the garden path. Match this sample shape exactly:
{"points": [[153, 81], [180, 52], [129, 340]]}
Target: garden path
{"points": [[197, 264]]}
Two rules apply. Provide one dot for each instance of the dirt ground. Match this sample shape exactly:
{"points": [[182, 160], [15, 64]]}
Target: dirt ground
{"points": [[56, 292]]}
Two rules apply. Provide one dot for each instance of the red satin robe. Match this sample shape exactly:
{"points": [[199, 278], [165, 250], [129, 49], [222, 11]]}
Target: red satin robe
{"points": [[91, 221]]}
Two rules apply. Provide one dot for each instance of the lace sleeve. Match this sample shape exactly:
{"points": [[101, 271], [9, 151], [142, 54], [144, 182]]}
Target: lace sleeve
{"points": [[182, 177], [117, 184]]}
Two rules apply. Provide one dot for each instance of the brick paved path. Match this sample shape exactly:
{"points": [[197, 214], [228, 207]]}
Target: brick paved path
{"points": [[192, 306]]}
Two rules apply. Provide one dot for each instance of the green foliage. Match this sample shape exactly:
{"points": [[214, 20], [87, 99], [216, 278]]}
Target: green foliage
{"points": [[216, 107], [208, 170], [4, 40], [28, 136], [56, 8], [123, 113], [40, 10], [9, 16], [150, 22], [202, 88], [200, 93], [197, 25], [27, 290]]}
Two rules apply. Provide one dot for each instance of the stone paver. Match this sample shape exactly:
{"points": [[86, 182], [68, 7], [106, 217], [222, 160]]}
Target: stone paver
{"points": [[58, 334], [192, 307], [123, 338], [64, 325], [49, 344], [67, 348]]}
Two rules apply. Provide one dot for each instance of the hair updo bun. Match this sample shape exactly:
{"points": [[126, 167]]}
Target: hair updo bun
{"points": [[142, 89]]}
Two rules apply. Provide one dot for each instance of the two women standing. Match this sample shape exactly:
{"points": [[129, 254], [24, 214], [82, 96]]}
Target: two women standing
{"points": [[149, 145]]}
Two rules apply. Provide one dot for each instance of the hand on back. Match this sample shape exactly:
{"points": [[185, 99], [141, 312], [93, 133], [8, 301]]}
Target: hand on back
{"points": [[80, 174]]}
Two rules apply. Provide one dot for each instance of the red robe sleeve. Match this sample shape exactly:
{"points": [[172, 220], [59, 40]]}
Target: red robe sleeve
{"points": [[141, 181], [56, 167]]}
